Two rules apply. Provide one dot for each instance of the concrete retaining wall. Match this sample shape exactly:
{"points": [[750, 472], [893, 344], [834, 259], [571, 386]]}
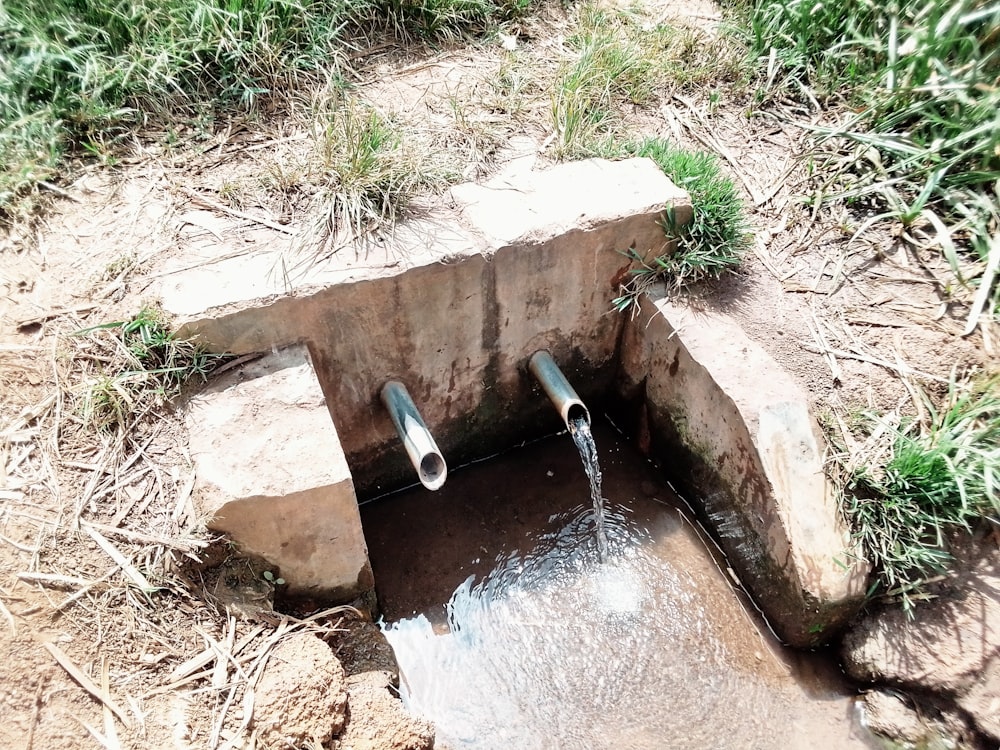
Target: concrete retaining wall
{"points": [[458, 305], [733, 430]]}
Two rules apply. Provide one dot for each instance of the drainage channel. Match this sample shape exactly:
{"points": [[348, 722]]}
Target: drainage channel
{"points": [[512, 630]]}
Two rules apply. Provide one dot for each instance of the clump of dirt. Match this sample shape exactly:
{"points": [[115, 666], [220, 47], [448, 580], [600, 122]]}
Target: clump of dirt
{"points": [[362, 647], [307, 695], [242, 585], [334, 687]]}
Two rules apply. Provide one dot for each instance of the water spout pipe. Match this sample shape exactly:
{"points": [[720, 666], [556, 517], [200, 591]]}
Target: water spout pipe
{"points": [[420, 446], [558, 389]]}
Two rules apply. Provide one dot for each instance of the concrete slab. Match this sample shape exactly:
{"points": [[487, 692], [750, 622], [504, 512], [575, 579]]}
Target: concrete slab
{"points": [[271, 474], [523, 207], [735, 428]]}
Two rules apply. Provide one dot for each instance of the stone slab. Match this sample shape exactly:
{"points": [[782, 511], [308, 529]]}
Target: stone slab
{"points": [[735, 426], [271, 474]]}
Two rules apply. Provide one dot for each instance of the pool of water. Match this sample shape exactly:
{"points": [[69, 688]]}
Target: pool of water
{"points": [[512, 631]]}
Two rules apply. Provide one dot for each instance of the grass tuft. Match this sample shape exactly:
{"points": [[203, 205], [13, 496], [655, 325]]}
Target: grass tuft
{"points": [[609, 63], [76, 76], [920, 78], [712, 244], [434, 20], [616, 59], [366, 171], [941, 475], [146, 365]]}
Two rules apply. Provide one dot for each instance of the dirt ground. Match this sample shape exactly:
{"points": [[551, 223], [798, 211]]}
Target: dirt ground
{"points": [[110, 635]]}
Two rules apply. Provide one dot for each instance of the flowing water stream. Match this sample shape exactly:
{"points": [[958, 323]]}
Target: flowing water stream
{"points": [[583, 439], [514, 629]]}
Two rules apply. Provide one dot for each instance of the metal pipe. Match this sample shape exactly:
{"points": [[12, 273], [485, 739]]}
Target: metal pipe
{"points": [[420, 446], [558, 389]]}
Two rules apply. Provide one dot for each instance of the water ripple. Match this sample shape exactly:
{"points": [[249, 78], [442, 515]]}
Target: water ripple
{"points": [[559, 649]]}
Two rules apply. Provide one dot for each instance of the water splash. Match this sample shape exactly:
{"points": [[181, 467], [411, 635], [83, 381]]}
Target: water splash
{"points": [[579, 429]]}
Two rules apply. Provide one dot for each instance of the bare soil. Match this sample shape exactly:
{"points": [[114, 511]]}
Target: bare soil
{"points": [[90, 658]]}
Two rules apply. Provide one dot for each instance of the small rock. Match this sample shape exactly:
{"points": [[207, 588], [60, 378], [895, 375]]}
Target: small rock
{"points": [[889, 715], [950, 648], [362, 647], [301, 695]]}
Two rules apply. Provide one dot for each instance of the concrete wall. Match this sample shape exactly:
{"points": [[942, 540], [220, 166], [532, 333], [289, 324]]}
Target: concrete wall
{"points": [[734, 432], [524, 262]]}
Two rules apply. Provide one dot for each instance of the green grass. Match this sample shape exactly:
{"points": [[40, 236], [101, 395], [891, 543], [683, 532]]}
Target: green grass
{"points": [[712, 244], [941, 476], [919, 79], [144, 364], [610, 62], [78, 75], [437, 20], [913, 85]]}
